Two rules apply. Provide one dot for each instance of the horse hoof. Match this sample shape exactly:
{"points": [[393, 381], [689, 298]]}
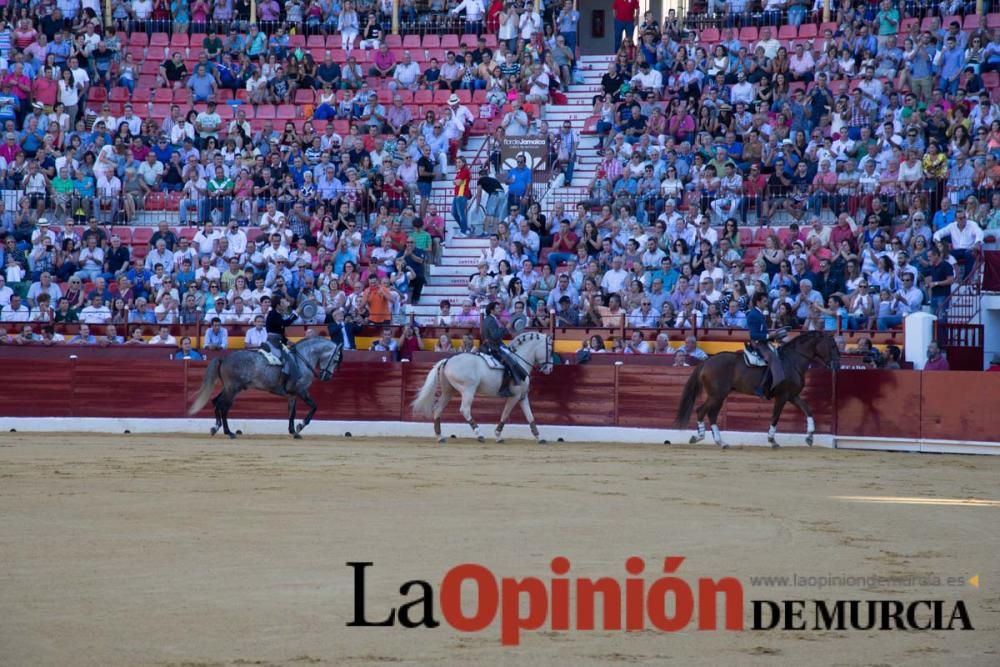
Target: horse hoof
{"points": [[543, 441], [481, 439], [500, 441], [232, 436], [723, 445], [809, 440], [297, 436], [441, 439], [213, 430], [299, 427], [239, 432], [774, 443], [695, 439]]}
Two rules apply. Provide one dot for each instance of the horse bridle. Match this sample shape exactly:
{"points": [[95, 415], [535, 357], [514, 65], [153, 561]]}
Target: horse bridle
{"points": [[811, 357], [548, 357], [334, 356]]}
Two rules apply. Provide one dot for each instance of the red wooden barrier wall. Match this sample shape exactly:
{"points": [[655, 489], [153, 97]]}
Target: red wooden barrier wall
{"points": [[879, 403]]}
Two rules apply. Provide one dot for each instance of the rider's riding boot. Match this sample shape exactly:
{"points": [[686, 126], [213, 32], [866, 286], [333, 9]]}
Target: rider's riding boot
{"points": [[505, 386], [761, 389]]}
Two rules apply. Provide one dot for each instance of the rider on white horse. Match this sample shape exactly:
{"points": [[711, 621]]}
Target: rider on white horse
{"points": [[491, 342]]}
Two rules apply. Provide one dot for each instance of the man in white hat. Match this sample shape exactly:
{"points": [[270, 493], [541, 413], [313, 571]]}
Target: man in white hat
{"points": [[458, 121], [43, 234]]}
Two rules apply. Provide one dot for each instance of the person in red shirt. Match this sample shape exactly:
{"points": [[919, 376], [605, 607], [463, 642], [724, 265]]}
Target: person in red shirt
{"points": [[936, 361], [564, 245], [459, 203], [626, 15]]}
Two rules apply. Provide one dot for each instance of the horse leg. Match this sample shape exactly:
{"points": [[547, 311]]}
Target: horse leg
{"points": [[528, 415], [779, 405], [309, 415], [507, 408], [810, 422], [699, 421], [467, 395], [218, 415], [225, 403], [440, 405], [292, 400], [712, 409]]}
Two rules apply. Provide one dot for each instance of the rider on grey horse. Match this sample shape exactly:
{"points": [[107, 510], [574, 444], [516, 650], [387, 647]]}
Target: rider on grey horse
{"points": [[491, 342], [275, 324]]}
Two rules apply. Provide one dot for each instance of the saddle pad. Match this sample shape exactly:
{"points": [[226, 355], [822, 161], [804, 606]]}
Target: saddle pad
{"points": [[753, 359], [491, 361], [271, 359]]}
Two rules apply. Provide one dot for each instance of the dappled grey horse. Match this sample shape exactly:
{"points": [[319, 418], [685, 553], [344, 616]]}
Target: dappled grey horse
{"points": [[249, 369]]}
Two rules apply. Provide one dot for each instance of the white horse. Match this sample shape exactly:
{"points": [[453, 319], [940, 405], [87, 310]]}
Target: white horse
{"points": [[470, 374]]}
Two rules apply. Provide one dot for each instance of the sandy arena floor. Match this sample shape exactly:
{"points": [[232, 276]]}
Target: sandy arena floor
{"points": [[172, 550]]}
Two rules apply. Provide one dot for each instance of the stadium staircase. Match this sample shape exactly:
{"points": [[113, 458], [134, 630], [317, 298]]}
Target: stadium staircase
{"points": [[450, 277]]}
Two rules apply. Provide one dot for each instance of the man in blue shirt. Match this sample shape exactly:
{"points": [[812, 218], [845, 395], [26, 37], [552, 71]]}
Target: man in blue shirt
{"points": [[951, 62], [186, 351], [518, 180], [216, 338], [759, 340]]}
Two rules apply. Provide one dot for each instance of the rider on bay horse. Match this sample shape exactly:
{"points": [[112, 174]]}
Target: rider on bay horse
{"points": [[760, 341], [491, 342], [275, 325]]}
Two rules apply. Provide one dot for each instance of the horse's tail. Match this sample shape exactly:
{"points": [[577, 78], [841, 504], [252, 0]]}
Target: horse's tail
{"points": [[211, 377], [423, 404], [690, 395]]}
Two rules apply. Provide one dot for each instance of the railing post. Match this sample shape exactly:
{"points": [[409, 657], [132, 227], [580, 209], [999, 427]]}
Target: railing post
{"points": [[395, 17]]}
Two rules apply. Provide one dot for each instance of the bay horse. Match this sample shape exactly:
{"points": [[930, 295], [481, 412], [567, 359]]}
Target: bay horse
{"points": [[726, 372], [470, 374], [249, 369]]}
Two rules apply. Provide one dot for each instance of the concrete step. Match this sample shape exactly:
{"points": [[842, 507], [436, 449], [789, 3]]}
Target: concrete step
{"points": [[452, 271]]}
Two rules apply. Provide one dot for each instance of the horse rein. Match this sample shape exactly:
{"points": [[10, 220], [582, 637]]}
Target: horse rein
{"points": [[548, 357], [309, 367]]}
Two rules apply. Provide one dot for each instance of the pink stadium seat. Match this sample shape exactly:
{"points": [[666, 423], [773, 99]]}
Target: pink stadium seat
{"points": [[142, 95], [807, 31], [423, 96], [150, 67], [441, 96], [971, 22], [432, 41], [286, 112], [710, 35], [305, 96], [479, 96], [179, 40], [153, 201], [748, 34], [469, 40], [163, 96], [296, 41], [98, 94], [124, 233], [187, 233], [787, 32], [449, 41], [464, 96], [993, 20], [827, 26], [411, 42], [316, 42], [264, 112], [160, 39], [491, 40], [142, 235], [118, 94], [394, 41]]}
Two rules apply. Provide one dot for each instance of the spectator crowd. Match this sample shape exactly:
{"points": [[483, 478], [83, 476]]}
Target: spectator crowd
{"points": [[847, 169]]}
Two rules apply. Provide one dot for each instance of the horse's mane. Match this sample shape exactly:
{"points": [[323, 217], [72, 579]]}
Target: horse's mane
{"points": [[805, 337], [525, 337]]}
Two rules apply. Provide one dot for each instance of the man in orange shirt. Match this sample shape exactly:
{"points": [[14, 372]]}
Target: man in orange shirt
{"points": [[459, 202], [378, 299]]}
